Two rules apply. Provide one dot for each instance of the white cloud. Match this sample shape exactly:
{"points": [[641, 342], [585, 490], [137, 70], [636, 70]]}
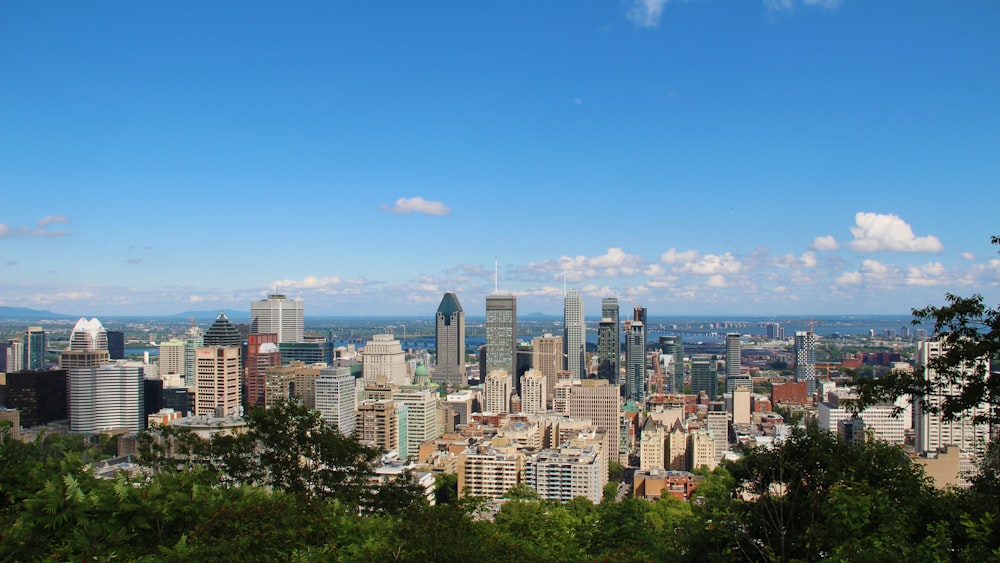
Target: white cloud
{"points": [[50, 219], [672, 256], [877, 232], [929, 274], [824, 243], [828, 4], [716, 281], [714, 264], [308, 282], [614, 263], [40, 230], [968, 256], [807, 260], [785, 6], [849, 278], [646, 13], [407, 205]]}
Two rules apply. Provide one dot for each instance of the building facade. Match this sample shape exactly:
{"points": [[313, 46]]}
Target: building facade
{"points": [[501, 333], [449, 341], [278, 315], [335, 393], [105, 397], [574, 335]]}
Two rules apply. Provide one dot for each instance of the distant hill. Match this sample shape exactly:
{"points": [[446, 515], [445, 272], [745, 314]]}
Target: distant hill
{"points": [[26, 314]]}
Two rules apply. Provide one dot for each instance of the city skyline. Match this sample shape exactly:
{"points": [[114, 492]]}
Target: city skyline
{"points": [[696, 158]]}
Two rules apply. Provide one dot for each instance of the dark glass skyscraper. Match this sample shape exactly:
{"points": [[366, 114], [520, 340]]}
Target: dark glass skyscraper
{"points": [[449, 341], [116, 344], [674, 346], [501, 334], [222, 333]]}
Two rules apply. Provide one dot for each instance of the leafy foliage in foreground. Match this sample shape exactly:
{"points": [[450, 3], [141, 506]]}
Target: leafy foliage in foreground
{"points": [[809, 498]]}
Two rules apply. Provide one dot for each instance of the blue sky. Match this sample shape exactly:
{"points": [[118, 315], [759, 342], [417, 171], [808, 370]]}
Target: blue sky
{"points": [[716, 157]]}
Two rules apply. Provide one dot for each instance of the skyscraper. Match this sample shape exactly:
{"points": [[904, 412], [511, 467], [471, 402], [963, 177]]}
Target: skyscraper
{"points": [[597, 400], [335, 398], [733, 363], [805, 359], [262, 353], [546, 358], [88, 346], [704, 376], [674, 345], [574, 335], [533, 398], [449, 340], [278, 315], [107, 396], [383, 357], [222, 333], [217, 380], [34, 348], [931, 430], [116, 344], [609, 346], [497, 390], [635, 360], [501, 334]]}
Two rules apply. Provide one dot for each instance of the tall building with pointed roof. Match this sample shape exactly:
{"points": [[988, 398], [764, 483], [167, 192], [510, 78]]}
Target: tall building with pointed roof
{"points": [[222, 333], [88, 346], [449, 337]]}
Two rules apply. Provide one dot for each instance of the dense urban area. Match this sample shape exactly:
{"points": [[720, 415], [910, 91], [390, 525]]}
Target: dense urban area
{"points": [[618, 436]]}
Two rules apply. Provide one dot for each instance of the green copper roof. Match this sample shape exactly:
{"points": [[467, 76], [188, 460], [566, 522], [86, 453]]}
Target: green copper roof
{"points": [[421, 370], [449, 305], [630, 406]]}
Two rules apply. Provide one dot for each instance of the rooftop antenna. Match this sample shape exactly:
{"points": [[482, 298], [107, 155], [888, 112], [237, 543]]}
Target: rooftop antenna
{"points": [[496, 276]]}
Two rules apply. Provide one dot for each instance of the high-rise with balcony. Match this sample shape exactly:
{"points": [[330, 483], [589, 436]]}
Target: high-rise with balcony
{"points": [[449, 340], [931, 430], [501, 334], [574, 333], [278, 315], [805, 359], [107, 396], [597, 400]]}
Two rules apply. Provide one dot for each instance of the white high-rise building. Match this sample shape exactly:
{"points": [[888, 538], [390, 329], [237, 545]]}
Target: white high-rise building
{"points": [[336, 398], [533, 398], [383, 357], [498, 388], [107, 396], [422, 421], [568, 472], [574, 335], [278, 315], [734, 374], [931, 431], [171, 358]]}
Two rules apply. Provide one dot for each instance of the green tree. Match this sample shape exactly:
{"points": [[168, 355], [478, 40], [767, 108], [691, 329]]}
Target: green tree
{"points": [[970, 331]]}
